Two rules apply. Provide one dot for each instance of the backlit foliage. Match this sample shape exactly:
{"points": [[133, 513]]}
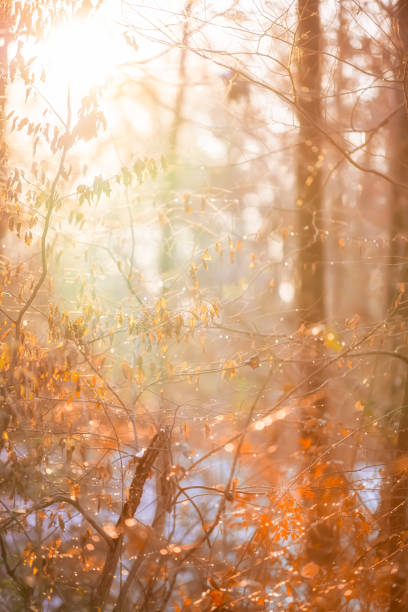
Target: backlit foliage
{"points": [[202, 319]]}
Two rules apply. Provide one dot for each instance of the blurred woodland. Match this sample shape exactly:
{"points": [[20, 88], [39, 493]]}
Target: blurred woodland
{"points": [[204, 305]]}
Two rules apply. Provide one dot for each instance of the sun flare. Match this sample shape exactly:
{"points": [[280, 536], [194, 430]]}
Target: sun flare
{"points": [[80, 55]]}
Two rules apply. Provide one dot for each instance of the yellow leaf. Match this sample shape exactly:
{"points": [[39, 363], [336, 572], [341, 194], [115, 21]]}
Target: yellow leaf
{"points": [[127, 371], [332, 342]]}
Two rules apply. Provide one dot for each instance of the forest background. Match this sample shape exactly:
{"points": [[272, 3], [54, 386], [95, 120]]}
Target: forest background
{"points": [[203, 339]]}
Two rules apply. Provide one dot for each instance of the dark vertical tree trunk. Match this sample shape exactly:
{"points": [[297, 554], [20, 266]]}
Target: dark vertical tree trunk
{"points": [[398, 515], [309, 161], [4, 40], [399, 257], [399, 196], [321, 538], [336, 279]]}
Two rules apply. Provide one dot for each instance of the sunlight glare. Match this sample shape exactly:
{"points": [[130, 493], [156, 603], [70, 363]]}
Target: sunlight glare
{"points": [[80, 55], [286, 292]]}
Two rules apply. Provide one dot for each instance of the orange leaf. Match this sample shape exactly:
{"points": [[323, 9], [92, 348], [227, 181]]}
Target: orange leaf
{"points": [[216, 597], [310, 570], [254, 362], [359, 406], [350, 323], [305, 443]]}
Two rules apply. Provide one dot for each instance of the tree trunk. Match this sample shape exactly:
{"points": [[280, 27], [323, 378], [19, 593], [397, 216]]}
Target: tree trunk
{"points": [[399, 254], [309, 161], [142, 472], [399, 196], [5, 36], [4, 40], [322, 534]]}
